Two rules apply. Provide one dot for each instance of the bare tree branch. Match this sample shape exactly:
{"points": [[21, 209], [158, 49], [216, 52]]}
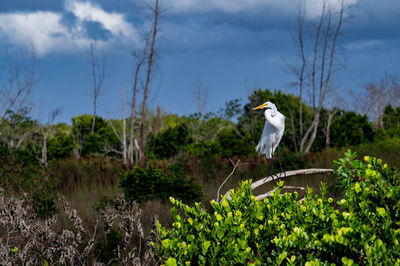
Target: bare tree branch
{"points": [[98, 67], [150, 62], [18, 80], [140, 58], [235, 165], [375, 96], [323, 55], [46, 129]]}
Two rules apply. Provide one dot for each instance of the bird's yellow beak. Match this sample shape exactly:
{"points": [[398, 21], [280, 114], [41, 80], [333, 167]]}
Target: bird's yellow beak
{"points": [[260, 106]]}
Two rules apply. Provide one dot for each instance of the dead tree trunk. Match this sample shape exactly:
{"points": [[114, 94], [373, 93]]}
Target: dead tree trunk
{"points": [[323, 63], [97, 63], [300, 40], [140, 57], [44, 148], [150, 62], [46, 129], [124, 149]]}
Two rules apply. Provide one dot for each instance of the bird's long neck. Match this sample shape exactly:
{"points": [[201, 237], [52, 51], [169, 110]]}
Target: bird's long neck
{"points": [[270, 115], [271, 111]]}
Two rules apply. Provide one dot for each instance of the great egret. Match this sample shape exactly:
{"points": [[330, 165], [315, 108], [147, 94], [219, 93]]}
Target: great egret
{"points": [[272, 132]]}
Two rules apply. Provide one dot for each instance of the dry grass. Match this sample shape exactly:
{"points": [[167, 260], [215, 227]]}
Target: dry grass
{"points": [[27, 240]]}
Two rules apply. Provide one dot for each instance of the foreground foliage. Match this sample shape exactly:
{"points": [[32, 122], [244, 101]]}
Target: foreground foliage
{"points": [[362, 228]]}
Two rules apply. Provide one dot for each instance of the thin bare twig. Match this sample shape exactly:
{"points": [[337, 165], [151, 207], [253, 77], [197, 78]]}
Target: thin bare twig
{"points": [[235, 165]]}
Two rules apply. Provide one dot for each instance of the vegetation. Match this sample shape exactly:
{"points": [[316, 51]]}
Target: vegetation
{"points": [[361, 228], [143, 184], [188, 158]]}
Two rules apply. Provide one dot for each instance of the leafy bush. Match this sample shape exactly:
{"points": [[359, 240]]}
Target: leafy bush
{"points": [[148, 183], [105, 250], [60, 147], [391, 124], [168, 143], [207, 153], [350, 128], [101, 140], [44, 204], [282, 229], [234, 145]]}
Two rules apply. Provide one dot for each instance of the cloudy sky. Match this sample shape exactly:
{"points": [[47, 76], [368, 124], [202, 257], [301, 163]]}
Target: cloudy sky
{"points": [[230, 46]]}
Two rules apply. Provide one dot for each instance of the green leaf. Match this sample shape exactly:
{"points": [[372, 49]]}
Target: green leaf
{"points": [[205, 246], [165, 243], [171, 262], [357, 187], [381, 211], [281, 257], [220, 234]]}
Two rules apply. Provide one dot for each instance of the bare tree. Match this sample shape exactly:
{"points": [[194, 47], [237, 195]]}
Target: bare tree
{"points": [[46, 129], [374, 97], [17, 80], [98, 70], [16, 127], [124, 148], [334, 104], [150, 62], [200, 95], [139, 56], [79, 140], [323, 40], [302, 71]]}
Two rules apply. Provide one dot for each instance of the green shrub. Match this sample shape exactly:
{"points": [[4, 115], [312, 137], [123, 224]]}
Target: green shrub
{"points": [[44, 204], [168, 143], [105, 250], [60, 147], [282, 229], [148, 183], [207, 153]]}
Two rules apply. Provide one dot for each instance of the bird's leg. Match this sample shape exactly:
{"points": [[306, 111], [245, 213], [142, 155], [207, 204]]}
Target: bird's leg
{"points": [[270, 168], [280, 165]]}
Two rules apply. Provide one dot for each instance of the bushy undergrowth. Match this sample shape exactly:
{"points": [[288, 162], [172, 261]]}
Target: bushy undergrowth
{"points": [[364, 229], [141, 184]]}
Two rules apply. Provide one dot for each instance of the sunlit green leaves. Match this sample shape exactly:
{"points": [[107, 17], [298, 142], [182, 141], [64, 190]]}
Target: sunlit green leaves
{"points": [[282, 230]]}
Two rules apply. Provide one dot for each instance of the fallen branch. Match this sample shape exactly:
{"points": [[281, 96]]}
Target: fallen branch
{"points": [[311, 171]]}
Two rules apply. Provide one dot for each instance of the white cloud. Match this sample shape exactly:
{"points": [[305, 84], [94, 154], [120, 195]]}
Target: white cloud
{"points": [[47, 33], [113, 22], [232, 6]]}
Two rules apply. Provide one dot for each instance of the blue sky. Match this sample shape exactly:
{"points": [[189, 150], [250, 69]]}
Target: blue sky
{"points": [[231, 46]]}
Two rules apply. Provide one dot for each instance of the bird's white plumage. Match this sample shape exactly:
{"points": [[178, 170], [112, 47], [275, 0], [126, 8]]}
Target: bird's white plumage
{"points": [[273, 130]]}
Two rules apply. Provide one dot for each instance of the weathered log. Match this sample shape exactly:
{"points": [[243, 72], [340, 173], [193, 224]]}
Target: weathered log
{"points": [[311, 171]]}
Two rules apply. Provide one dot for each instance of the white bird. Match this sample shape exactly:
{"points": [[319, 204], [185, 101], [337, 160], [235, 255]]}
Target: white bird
{"points": [[272, 132]]}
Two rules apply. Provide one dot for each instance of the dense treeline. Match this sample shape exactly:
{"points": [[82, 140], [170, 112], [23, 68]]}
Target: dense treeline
{"points": [[232, 131]]}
